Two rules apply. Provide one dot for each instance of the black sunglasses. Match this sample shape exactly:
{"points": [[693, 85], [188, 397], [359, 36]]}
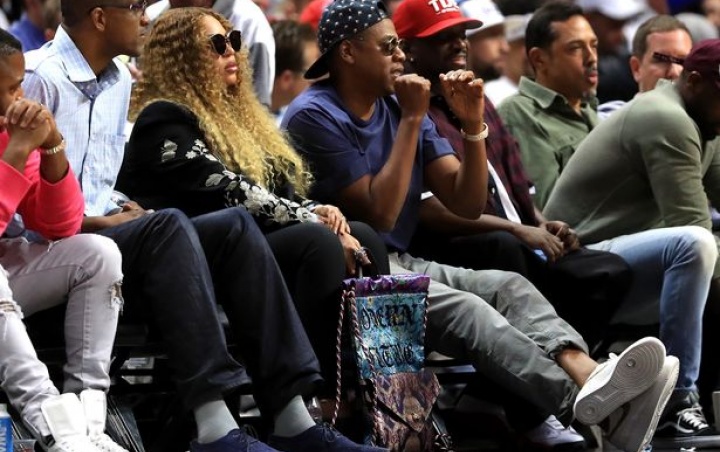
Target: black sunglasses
{"points": [[219, 42], [663, 58]]}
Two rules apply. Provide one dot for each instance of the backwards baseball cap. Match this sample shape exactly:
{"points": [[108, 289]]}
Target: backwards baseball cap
{"points": [[515, 27], [341, 20], [423, 18], [614, 9], [483, 10], [704, 58]]}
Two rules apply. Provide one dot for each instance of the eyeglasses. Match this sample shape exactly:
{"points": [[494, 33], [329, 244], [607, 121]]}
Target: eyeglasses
{"points": [[663, 58], [388, 46], [137, 7], [220, 42]]}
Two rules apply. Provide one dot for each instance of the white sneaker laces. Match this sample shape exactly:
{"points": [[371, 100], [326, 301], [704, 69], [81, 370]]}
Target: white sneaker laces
{"points": [[76, 444], [694, 417], [106, 444]]}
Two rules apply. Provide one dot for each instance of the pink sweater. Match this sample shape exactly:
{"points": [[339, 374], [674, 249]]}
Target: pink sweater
{"points": [[52, 210]]}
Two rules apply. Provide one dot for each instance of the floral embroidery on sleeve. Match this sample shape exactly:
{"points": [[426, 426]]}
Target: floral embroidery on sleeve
{"points": [[240, 191]]}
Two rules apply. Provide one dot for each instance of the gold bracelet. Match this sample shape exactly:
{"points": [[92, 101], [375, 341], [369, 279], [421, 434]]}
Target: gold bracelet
{"points": [[478, 137], [55, 149]]}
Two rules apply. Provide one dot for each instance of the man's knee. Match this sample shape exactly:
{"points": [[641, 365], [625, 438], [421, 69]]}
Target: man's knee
{"points": [[99, 263], [95, 253], [701, 243], [167, 219], [227, 222]]}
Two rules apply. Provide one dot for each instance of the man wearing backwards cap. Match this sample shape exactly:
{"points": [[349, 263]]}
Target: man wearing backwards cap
{"points": [[516, 64], [372, 154], [608, 19], [655, 163]]}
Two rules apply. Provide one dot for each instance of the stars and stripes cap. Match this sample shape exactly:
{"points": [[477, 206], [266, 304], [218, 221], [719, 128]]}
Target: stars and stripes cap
{"points": [[343, 19]]}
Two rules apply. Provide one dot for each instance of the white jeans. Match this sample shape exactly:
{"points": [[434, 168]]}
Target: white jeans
{"points": [[84, 271]]}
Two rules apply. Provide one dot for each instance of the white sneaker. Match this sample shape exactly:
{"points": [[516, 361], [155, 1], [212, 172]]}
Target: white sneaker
{"points": [[77, 444], [631, 427], [106, 444], [66, 420], [94, 404], [619, 380], [552, 433]]}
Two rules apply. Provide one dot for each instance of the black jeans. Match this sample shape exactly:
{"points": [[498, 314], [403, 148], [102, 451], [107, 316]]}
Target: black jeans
{"points": [[586, 287], [313, 262], [173, 267]]}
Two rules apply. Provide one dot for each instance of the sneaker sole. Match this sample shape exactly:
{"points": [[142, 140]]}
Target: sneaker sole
{"points": [[635, 371], [691, 442], [649, 415]]}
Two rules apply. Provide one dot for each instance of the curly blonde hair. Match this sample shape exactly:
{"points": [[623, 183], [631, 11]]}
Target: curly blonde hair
{"points": [[178, 66]]}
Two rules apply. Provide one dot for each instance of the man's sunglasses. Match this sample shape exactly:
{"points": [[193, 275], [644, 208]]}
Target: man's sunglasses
{"points": [[388, 46], [220, 42], [663, 58]]}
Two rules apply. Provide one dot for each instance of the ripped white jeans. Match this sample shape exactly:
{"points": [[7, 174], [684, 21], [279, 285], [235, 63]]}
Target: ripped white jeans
{"points": [[84, 271]]}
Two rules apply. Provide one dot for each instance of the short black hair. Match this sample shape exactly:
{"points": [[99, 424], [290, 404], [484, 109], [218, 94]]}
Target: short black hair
{"points": [[518, 8], [657, 24], [290, 39], [73, 11], [540, 32], [9, 44]]}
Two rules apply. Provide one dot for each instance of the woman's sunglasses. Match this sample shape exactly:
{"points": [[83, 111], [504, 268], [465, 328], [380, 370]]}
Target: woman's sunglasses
{"points": [[220, 42]]}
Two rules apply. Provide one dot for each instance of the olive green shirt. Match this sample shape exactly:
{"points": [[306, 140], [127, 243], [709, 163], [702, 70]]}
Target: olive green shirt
{"points": [[548, 131], [646, 166]]}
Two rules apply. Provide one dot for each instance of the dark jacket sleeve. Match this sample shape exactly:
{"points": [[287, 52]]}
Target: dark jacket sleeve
{"points": [[168, 164]]}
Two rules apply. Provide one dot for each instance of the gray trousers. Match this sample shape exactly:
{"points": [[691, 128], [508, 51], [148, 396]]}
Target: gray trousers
{"points": [[499, 322], [84, 271]]}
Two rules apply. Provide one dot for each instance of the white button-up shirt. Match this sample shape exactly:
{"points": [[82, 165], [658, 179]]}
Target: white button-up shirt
{"points": [[90, 112]]}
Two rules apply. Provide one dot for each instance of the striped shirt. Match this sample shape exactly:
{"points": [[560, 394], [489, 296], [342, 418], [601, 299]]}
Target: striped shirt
{"points": [[90, 112]]}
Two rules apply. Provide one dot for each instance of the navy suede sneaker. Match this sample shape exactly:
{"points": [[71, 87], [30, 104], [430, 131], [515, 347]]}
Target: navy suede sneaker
{"points": [[320, 438], [235, 441]]}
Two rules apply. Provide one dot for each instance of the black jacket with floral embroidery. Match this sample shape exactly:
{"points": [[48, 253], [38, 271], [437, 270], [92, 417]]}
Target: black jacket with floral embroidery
{"points": [[167, 164]]}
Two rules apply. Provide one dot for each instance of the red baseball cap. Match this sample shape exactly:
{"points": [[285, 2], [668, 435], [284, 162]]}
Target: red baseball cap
{"points": [[423, 18], [312, 12], [704, 58]]}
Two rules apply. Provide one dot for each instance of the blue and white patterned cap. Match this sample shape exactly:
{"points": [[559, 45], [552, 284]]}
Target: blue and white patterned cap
{"points": [[343, 19]]}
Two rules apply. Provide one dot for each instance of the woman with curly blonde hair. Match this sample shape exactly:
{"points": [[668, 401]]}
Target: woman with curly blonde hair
{"points": [[203, 142]]}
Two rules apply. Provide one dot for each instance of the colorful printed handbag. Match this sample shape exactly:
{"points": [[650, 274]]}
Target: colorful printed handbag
{"points": [[387, 318]]}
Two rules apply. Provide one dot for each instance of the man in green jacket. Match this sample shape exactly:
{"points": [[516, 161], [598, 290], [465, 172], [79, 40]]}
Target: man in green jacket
{"points": [[673, 267], [652, 164]]}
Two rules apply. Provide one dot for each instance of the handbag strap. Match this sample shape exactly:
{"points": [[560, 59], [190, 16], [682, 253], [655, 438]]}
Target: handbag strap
{"points": [[338, 355]]}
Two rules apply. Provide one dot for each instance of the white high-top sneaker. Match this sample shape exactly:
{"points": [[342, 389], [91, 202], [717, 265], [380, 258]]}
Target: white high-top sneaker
{"points": [[65, 416], [94, 403]]}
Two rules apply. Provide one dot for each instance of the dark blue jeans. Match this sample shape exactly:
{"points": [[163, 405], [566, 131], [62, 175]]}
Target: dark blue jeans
{"points": [[173, 268], [267, 329]]}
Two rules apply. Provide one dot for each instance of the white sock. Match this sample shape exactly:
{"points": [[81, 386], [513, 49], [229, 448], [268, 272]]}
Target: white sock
{"points": [[213, 420], [293, 419]]}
